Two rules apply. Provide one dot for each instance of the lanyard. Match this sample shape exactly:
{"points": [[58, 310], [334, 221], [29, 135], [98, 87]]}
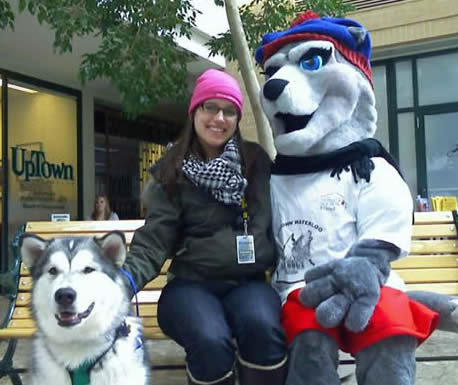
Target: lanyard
{"points": [[245, 215]]}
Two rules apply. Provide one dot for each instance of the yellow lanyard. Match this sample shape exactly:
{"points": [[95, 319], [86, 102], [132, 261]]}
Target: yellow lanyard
{"points": [[245, 215]]}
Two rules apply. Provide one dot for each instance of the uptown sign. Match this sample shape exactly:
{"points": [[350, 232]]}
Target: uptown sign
{"points": [[37, 166]]}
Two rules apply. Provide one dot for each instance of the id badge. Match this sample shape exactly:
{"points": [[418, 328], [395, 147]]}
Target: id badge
{"points": [[245, 249]]}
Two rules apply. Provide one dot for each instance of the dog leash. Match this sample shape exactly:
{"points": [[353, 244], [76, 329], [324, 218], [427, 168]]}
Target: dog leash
{"points": [[134, 289]]}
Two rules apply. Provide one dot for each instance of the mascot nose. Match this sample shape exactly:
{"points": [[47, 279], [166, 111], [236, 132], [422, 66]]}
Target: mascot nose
{"points": [[65, 296], [273, 88]]}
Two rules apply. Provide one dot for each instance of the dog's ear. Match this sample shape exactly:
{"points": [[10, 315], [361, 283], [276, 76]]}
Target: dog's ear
{"points": [[31, 248], [114, 247]]}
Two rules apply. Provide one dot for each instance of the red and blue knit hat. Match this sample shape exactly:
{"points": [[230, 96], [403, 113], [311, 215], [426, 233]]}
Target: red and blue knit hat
{"points": [[310, 26]]}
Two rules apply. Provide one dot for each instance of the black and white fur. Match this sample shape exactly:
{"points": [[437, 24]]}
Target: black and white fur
{"points": [[80, 304]]}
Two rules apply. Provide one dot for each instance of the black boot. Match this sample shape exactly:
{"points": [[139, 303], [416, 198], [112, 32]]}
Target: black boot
{"points": [[252, 374], [228, 379], [313, 360]]}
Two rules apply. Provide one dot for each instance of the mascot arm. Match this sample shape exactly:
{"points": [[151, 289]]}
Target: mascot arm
{"points": [[349, 289]]}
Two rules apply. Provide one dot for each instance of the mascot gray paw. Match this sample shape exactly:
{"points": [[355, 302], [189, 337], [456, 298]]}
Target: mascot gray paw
{"points": [[346, 289], [349, 289]]}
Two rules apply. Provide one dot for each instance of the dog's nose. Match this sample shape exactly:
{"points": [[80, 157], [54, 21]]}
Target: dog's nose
{"points": [[273, 88], [65, 296]]}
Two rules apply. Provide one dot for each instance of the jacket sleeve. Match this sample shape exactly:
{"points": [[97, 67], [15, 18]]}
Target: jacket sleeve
{"points": [[153, 242]]}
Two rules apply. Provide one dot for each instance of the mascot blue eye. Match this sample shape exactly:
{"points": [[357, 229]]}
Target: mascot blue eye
{"points": [[313, 63]]}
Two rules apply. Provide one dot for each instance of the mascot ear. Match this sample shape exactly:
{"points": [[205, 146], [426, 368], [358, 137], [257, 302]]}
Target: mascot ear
{"points": [[359, 34]]}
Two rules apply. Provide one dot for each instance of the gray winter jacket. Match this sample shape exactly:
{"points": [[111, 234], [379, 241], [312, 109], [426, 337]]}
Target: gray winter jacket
{"points": [[204, 230]]}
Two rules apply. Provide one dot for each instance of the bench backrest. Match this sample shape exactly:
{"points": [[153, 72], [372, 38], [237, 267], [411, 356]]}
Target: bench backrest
{"points": [[432, 264]]}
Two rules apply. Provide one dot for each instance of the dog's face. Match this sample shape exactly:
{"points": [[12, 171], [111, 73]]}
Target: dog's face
{"points": [[315, 100], [78, 289]]}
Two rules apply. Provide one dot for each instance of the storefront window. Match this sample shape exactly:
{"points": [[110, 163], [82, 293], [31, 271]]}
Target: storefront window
{"points": [[380, 88], [408, 155], [437, 79], [404, 84], [42, 155], [122, 170], [124, 152]]}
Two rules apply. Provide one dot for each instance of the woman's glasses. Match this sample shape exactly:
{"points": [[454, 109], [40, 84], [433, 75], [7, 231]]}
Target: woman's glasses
{"points": [[229, 112]]}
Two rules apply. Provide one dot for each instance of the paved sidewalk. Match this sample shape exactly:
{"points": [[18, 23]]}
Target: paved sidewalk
{"points": [[168, 353]]}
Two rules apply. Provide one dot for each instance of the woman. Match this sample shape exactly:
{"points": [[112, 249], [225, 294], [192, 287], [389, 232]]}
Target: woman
{"points": [[102, 211], [211, 195]]}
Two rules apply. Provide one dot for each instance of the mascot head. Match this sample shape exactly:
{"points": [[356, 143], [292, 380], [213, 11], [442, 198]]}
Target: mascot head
{"points": [[318, 94]]}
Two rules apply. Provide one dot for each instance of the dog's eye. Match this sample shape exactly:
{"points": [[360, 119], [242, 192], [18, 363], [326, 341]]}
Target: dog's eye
{"points": [[269, 71], [88, 270], [52, 271]]}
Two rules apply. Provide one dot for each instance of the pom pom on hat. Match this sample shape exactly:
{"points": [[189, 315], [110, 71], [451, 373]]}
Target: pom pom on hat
{"points": [[215, 84], [348, 36]]}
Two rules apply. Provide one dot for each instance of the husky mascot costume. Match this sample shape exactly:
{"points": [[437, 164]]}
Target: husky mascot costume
{"points": [[341, 212]]}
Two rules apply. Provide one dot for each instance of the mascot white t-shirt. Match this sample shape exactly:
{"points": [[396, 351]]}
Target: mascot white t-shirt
{"points": [[316, 218]]}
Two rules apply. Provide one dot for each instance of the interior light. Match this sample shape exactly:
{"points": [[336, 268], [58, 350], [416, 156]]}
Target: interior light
{"points": [[19, 88]]}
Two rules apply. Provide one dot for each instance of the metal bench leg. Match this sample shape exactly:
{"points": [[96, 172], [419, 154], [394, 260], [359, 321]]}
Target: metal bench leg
{"points": [[6, 364]]}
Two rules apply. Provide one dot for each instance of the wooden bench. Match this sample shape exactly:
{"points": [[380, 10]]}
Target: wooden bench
{"points": [[432, 266]]}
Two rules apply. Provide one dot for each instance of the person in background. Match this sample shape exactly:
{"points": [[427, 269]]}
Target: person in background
{"points": [[210, 195], [102, 211]]}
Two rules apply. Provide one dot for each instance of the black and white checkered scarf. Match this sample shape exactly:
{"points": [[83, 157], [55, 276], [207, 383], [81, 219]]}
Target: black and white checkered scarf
{"points": [[221, 176]]}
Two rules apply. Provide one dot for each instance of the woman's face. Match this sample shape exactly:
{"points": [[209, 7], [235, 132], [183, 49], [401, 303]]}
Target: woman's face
{"points": [[100, 204], [215, 122]]}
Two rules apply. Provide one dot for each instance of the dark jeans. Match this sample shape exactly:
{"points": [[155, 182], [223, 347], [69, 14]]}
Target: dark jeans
{"points": [[206, 317]]}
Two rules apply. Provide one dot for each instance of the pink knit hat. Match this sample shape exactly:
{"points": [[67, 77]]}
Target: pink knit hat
{"points": [[215, 84]]}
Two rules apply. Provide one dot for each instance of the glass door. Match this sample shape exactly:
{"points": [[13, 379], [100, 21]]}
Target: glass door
{"points": [[441, 153]]}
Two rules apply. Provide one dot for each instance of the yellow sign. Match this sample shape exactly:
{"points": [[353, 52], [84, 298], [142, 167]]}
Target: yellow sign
{"points": [[444, 203]]}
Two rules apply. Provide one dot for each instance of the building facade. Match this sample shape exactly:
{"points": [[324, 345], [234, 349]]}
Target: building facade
{"points": [[63, 143]]}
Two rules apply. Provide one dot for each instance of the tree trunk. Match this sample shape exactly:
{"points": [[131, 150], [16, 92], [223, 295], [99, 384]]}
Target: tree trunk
{"points": [[249, 76]]}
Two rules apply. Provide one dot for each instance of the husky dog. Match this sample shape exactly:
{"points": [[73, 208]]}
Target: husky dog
{"points": [[81, 306]]}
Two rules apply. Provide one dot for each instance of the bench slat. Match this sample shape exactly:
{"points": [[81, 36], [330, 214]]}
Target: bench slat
{"points": [[151, 333], [16, 333], [26, 272], [29, 323], [425, 261], [157, 283], [76, 227], [144, 297], [429, 275], [128, 235], [431, 231], [434, 247], [433, 217], [25, 283], [450, 288], [147, 310]]}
